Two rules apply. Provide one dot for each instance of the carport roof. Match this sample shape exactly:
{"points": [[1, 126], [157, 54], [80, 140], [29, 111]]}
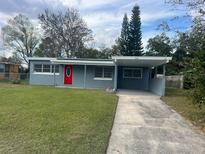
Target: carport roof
{"points": [[142, 61]]}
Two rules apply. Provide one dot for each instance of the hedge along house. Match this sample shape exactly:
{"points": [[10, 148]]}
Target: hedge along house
{"points": [[120, 72]]}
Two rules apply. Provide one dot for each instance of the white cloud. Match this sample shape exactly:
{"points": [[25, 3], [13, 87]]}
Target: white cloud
{"points": [[96, 3], [5, 17], [104, 17]]}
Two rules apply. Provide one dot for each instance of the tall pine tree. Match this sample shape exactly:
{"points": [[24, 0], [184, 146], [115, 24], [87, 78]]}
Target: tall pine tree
{"points": [[135, 34], [123, 40]]}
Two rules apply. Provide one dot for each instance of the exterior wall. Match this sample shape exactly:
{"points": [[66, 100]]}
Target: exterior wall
{"points": [[78, 77], [135, 84], [157, 86], [90, 82], [10, 72], [2, 73], [42, 79], [13, 72]]}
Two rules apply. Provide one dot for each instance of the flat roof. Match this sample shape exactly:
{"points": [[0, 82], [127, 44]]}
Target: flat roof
{"points": [[141, 61], [40, 58], [84, 62]]}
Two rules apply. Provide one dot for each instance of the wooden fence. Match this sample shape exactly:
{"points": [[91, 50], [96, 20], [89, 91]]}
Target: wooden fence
{"points": [[176, 81]]}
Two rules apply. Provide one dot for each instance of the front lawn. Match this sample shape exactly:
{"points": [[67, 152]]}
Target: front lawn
{"points": [[180, 100], [41, 119]]}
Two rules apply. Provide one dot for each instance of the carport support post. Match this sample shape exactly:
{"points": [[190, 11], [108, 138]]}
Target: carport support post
{"points": [[115, 79], [85, 72], [54, 71], [164, 70]]}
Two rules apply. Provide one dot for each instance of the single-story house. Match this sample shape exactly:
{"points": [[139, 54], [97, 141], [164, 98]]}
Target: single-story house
{"points": [[120, 72], [9, 71]]}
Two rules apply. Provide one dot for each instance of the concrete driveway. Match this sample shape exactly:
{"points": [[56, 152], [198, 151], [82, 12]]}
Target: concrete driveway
{"points": [[144, 124]]}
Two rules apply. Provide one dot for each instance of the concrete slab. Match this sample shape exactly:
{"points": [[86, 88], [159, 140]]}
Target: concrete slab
{"points": [[144, 124]]}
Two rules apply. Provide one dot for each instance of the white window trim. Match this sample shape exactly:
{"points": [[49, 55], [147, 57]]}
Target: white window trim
{"points": [[107, 79], [44, 73], [103, 78], [130, 68]]}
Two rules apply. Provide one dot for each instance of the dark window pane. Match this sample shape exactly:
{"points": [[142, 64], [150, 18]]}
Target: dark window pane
{"points": [[137, 73], [56, 69], [132, 73], [98, 72], [127, 73], [153, 73], [38, 68], [107, 72], [2, 68], [46, 68], [68, 72]]}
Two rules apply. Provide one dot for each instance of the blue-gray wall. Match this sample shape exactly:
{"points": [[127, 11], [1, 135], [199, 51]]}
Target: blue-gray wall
{"points": [[91, 83], [135, 84], [157, 86], [42, 79], [78, 77]]}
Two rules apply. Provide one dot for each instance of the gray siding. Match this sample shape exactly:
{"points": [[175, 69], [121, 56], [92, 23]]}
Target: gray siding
{"points": [[157, 86], [135, 84], [92, 83], [42, 79], [78, 77]]}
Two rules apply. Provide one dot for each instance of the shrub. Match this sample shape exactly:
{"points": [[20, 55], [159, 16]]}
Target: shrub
{"points": [[16, 82], [189, 80]]}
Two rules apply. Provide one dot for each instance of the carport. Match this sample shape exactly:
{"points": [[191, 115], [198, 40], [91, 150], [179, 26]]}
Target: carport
{"points": [[140, 73]]}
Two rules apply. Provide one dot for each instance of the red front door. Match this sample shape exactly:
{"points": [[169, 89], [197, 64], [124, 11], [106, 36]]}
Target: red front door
{"points": [[68, 74]]}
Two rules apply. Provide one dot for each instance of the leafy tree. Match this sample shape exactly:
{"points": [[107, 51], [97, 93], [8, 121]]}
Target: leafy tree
{"points": [[19, 34], [159, 45], [68, 31], [190, 4], [47, 48], [196, 74], [15, 59], [88, 53], [135, 34], [123, 40], [115, 50], [102, 53]]}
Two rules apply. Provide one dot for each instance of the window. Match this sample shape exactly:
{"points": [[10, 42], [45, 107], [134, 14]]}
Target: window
{"points": [[135, 73], [99, 72], [68, 71], [2, 68], [56, 68], [38, 68], [103, 73], [107, 72], [46, 68]]}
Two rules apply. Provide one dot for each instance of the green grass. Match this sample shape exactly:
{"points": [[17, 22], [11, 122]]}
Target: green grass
{"points": [[181, 101], [24, 82], [41, 119]]}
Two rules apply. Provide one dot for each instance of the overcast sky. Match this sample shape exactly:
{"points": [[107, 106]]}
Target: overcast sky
{"points": [[104, 17]]}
